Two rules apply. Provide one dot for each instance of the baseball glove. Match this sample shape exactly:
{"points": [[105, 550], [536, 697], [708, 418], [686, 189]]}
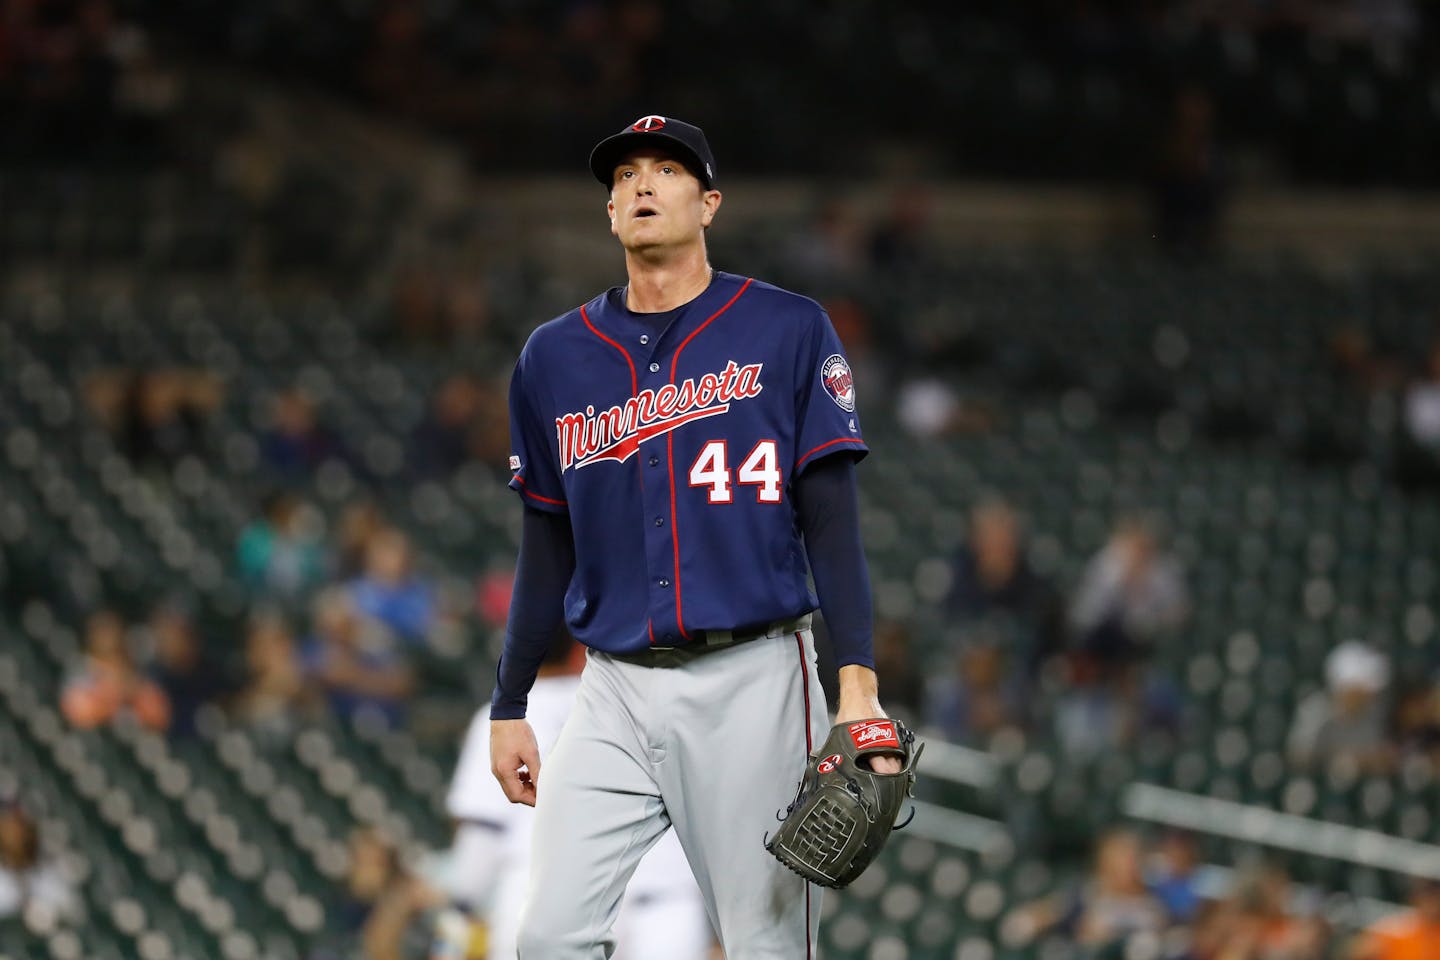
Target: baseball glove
{"points": [[843, 812]]}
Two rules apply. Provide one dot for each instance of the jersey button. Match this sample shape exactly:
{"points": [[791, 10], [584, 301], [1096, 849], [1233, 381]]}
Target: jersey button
{"points": [[664, 582], [654, 461], [654, 368], [644, 338], [659, 521]]}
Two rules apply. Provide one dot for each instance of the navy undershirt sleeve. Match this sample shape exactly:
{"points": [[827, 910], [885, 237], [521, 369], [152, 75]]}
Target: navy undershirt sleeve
{"points": [[537, 605], [828, 502]]}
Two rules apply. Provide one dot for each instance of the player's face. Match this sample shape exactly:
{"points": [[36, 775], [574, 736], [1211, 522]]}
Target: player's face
{"points": [[656, 203]]}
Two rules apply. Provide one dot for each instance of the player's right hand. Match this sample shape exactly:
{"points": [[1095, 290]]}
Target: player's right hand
{"points": [[515, 759]]}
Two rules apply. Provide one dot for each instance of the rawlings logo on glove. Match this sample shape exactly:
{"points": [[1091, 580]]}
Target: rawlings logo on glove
{"points": [[874, 733], [843, 811]]}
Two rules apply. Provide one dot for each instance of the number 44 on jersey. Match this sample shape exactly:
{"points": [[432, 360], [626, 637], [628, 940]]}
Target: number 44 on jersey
{"points": [[759, 469]]}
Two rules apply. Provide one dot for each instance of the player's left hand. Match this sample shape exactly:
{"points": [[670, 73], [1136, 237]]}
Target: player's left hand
{"points": [[866, 708]]}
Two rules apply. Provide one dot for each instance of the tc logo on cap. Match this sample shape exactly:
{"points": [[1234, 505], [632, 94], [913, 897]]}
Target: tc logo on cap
{"points": [[648, 124]]}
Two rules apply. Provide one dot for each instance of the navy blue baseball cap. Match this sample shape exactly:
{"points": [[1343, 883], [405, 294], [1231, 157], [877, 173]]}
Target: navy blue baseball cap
{"points": [[685, 140]]}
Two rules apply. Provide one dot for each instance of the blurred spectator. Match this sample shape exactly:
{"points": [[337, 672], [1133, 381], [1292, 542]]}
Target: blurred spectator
{"points": [[975, 700], [29, 880], [1411, 935], [900, 245], [492, 595], [68, 73], [281, 555], [391, 593], [1359, 362], [296, 444], [156, 416], [899, 678], [1417, 720], [1110, 907], [360, 521], [166, 413], [931, 406], [1095, 714], [490, 441], [1417, 454], [358, 667], [1260, 922], [1131, 593], [182, 668], [107, 684], [443, 441], [827, 253], [373, 914], [1188, 182], [435, 308], [1173, 875], [1346, 720], [993, 584], [274, 694]]}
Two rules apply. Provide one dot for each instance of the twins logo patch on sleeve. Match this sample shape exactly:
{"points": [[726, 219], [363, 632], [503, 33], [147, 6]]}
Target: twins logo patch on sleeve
{"points": [[835, 374], [874, 733]]}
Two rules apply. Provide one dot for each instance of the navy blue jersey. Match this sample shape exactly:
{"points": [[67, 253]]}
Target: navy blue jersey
{"points": [[673, 451]]}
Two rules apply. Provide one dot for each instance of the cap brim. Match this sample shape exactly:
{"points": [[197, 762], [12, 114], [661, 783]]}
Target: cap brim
{"points": [[609, 152]]}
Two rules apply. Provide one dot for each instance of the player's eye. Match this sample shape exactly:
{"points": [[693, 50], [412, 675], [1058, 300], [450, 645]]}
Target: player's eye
{"points": [[667, 169], [626, 174]]}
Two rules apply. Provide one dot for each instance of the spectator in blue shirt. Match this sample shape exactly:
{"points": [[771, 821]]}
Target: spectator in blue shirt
{"points": [[359, 667], [390, 592]]}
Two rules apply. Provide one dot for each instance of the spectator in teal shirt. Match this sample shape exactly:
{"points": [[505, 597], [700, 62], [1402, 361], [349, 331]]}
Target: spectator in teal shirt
{"points": [[281, 555]]}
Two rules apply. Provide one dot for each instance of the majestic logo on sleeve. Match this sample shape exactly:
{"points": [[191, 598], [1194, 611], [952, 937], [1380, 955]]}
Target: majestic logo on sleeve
{"points": [[835, 374], [615, 434]]}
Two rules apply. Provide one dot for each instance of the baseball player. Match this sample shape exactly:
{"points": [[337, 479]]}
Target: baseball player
{"points": [[662, 916], [683, 445]]}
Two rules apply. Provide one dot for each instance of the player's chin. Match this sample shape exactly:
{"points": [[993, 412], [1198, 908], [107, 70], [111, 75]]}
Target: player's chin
{"points": [[644, 241]]}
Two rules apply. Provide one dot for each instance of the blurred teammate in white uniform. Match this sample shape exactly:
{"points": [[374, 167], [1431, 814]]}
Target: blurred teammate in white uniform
{"points": [[662, 916]]}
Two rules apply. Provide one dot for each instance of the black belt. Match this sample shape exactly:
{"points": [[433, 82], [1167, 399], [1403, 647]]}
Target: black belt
{"points": [[710, 641]]}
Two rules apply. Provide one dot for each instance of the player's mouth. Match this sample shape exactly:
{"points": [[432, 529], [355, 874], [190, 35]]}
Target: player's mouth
{"points": [[643, 212]]}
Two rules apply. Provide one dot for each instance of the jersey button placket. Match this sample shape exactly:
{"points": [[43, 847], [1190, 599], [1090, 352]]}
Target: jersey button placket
{"points": [[660, 548]]}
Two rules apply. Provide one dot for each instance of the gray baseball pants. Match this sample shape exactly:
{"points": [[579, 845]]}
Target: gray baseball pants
{"points": [[712, 745]]}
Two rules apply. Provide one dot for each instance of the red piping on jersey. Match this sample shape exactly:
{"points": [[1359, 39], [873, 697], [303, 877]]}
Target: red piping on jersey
{"points": [[824, 445], [531, 493], [809, 748], [670, 447], [675, 361], [634, 383]]}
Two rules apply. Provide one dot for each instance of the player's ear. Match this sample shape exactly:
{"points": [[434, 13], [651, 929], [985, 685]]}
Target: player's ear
{"points": [[711, 199], [610, 210]]}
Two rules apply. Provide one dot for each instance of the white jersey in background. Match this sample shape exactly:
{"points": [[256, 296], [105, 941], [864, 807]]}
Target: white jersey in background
{"points": [[662, 916]]}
